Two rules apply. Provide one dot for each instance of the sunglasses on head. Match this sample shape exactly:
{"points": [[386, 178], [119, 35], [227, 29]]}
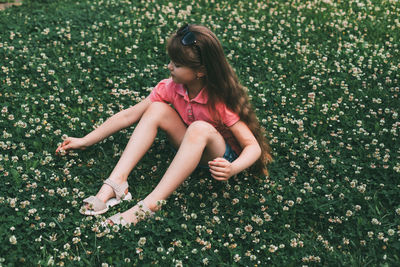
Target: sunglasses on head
{"points": [[189, 38]]}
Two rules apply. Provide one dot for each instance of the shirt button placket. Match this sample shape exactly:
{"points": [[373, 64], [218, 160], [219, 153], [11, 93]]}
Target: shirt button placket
{"points": [[190, 112]]}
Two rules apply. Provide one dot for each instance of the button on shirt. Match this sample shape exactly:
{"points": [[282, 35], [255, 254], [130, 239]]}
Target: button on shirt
{"points": [[191, 110]]}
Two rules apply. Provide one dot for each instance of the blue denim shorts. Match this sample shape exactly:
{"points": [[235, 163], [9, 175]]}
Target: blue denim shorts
{"points": [[230, 155]]}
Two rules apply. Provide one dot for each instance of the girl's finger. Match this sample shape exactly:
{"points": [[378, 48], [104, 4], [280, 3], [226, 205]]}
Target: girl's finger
{"points": [[218, 169], [58, 148], [218, 163], [216, 173], [219, 178], [220, 160], [67, 147]]}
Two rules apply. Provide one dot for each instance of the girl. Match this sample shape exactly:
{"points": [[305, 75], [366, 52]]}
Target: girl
{"points": [[210, 122]]}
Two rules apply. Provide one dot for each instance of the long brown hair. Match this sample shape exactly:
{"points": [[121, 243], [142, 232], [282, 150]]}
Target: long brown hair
{"points": [[221, 82]]}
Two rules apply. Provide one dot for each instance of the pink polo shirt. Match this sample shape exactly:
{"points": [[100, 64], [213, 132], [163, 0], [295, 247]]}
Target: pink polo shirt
{"points": [[195, 109]]}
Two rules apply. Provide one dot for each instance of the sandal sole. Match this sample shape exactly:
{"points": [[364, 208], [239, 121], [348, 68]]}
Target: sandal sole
{"points": [[110, 203]]}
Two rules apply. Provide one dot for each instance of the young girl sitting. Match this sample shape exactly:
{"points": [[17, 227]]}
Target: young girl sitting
{"points": [[211, 123]]}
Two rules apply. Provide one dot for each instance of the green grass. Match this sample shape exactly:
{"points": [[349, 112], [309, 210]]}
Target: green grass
{"points": [[324, 78]]}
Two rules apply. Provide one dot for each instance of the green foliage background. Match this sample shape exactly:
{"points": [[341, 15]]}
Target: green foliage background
{"points": [[323, 76]]}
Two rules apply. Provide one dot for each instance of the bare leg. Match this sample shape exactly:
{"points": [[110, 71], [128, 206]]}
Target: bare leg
{"points": [[158, 115], [200, 137]]}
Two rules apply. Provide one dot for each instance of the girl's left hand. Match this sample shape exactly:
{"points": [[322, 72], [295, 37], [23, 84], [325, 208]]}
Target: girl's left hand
{"points": [[220, 169]]}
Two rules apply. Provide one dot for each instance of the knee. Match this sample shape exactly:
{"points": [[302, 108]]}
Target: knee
{"points": [[158, 110], [158, 107], [200, 130]]}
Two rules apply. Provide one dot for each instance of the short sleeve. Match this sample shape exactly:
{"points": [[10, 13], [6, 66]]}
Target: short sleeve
{"points": [[162, 92], [228, 117]]}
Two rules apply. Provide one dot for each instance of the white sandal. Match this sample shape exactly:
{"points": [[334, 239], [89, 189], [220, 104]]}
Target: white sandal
{"points": [[144, 212], [96, 206]]}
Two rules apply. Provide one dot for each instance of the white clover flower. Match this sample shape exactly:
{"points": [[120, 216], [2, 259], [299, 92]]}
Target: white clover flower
{"points": [[32, 211], [115, 228], [248, 228], [53, 237], [381, 236], [67, 246], [50, 262], [142, 241], [237, 258], [375, 221], [13, 240], [178, 263], [272, 248], [391, 232]]}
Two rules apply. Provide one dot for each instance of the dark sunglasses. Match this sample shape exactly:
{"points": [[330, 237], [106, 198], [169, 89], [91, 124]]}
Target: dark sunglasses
{"points": [[189, 38]]}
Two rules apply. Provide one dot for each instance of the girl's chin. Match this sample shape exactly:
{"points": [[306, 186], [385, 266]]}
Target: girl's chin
{"points": [[175, 79]]}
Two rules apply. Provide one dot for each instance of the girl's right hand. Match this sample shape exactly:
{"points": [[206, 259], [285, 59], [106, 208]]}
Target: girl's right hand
{"points": [[72, 143]]}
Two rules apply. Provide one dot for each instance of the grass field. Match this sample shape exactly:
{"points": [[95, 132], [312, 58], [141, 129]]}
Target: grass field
{"points": [[323, 77]]}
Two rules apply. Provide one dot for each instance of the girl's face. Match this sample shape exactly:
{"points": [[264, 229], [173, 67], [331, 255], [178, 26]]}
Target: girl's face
{"points": [[181, 74]]}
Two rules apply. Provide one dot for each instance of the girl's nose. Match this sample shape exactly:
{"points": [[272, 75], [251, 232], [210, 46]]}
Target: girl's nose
{"points": [[170, 66]]}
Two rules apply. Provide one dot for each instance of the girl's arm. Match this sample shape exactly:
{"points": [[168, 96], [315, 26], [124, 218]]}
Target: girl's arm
{"points": [[250, 153], [251, 149], [115, 123], [121, 120]]}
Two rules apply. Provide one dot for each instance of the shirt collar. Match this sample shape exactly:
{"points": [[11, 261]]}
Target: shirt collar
{"points": [[201, 97]]}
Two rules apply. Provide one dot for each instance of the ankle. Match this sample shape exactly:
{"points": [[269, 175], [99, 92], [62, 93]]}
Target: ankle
{"points": [[119, 179]]}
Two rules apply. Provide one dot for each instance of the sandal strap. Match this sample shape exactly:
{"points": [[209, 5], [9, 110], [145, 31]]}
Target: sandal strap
{"points": [[119, 189], [144, 212], [118, 219], [148, 212], [95, 203]]}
